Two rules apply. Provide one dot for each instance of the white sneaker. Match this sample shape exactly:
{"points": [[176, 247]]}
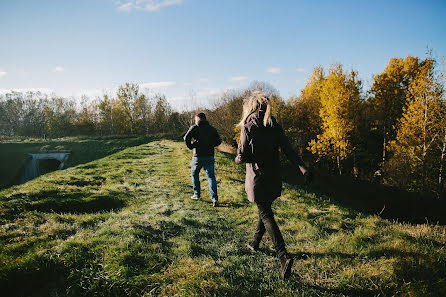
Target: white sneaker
{"points": [[194, 197]]}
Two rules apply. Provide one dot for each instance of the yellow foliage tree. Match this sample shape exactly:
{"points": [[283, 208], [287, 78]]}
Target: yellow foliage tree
{"points": [[302, 120], [340, 99], [389, 96], [419, 126], [441, 143]]}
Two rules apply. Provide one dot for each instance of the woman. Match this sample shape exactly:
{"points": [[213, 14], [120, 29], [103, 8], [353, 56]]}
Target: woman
{"points": [[260, 139]]}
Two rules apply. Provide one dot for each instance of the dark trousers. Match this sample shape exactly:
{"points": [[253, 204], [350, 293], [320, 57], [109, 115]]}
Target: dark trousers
{"points": [[268, 223]]}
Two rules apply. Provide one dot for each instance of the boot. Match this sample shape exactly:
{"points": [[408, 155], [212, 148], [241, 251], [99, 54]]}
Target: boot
{"points": [[285, 266], [253, 246]]}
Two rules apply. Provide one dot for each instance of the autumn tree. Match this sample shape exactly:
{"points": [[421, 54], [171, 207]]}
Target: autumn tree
{"points": [[302, 121], [227, 113], [161, 114], [420, 127], [106, 119], [60, 115], [278, 108], [178, 122], [143, 114], [127, 96], [441, 143], [87, 118], [23, 114], [340, 99], [389, 96]]}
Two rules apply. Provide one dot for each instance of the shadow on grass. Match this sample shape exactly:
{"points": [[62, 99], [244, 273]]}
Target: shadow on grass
{"points": [[421, 276], [39, 277], [62, 202], [165, 231], [387, 202], [347, 291], [77, 203]]}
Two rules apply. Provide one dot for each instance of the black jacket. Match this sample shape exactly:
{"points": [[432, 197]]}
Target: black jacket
{"points": [[202, 138], [259, 149]]}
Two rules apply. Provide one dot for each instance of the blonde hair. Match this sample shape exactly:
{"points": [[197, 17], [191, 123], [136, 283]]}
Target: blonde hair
{"points": [[256, 102]]}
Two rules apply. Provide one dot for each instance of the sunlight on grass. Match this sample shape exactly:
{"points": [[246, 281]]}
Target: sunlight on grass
{"points": [[124, 225]]}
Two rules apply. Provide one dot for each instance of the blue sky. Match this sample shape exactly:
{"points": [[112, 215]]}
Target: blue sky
{"points": [[185, 48]]}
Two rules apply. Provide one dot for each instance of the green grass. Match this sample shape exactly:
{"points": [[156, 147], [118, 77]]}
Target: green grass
{"points": [[124, 225]]}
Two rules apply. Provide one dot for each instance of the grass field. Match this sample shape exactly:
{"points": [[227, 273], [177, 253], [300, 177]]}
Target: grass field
{"points": [[124, 225]]}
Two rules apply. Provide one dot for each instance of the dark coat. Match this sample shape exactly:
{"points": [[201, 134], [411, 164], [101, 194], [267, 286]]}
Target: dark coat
{"points": [[259, 149], [202, 138]]}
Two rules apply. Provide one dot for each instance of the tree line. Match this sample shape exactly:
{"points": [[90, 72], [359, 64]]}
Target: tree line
{"points": [[393, 133], [128, 112]]}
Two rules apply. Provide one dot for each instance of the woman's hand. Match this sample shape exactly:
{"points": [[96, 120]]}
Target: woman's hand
{"points": [[308, 177]]}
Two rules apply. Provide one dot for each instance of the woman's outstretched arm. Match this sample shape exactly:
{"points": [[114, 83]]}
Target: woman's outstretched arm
{"points": [[290, 153]]}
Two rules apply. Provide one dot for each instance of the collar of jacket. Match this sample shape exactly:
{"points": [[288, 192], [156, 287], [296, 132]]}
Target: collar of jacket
{"points": [[203, 122]]}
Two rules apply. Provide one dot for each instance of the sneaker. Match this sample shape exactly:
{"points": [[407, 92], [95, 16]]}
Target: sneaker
{"points": [[285, 266], [252, 246], [214, 203], [194, 197]]}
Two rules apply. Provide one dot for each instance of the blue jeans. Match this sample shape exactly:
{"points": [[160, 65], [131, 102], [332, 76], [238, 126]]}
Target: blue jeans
{"points": [[208, 164]]}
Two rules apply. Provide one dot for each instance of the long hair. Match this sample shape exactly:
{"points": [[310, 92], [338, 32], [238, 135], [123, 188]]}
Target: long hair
{"points": [[258, 101]]}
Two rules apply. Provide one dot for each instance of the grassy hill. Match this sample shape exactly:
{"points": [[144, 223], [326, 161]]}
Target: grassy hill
{"points": [[13, 152], [124, 225]]}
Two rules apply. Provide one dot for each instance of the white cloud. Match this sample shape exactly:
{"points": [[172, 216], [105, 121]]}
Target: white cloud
{"points": [[3, 73], [300, 70], [204, 79], [126, 6], [148, 5], [26, 90], [58, 69], [273, 70], [238, 78], [157, 85]]}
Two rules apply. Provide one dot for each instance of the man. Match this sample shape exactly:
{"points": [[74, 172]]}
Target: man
{"points": [[202, 138]]}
